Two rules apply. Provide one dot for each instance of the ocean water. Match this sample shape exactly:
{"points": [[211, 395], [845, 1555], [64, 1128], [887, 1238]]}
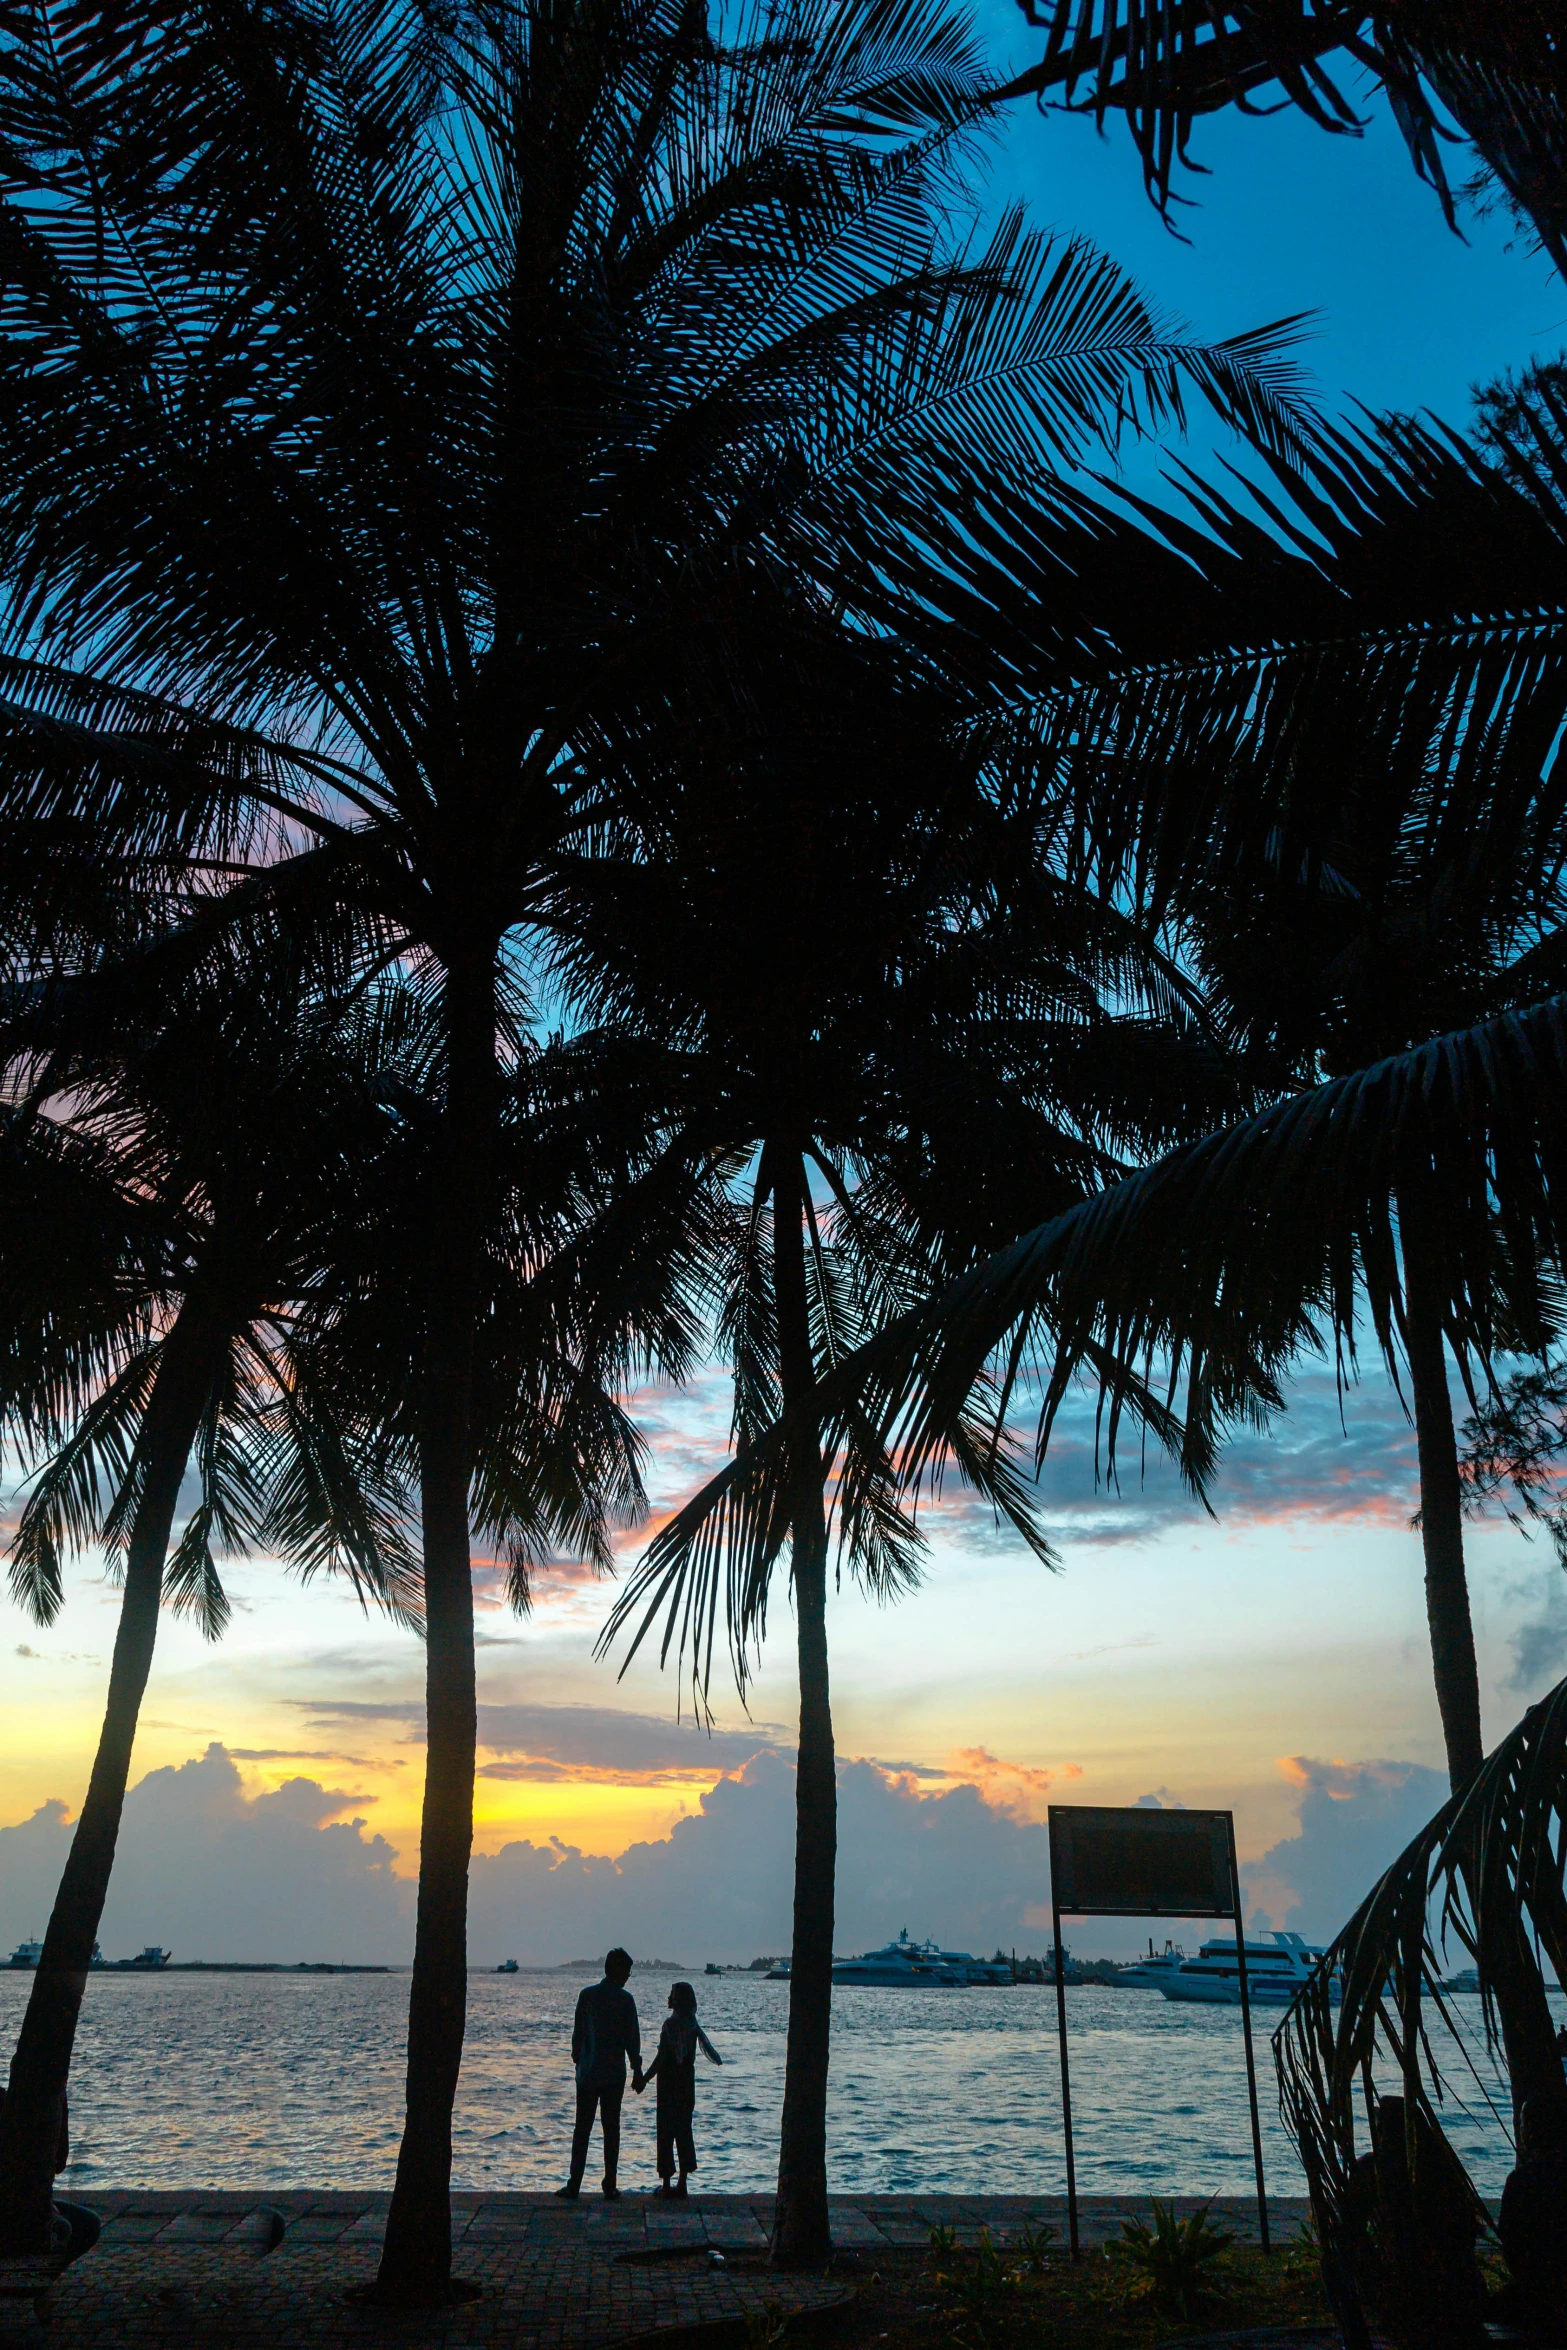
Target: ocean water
{"points": [[296, 2081]]}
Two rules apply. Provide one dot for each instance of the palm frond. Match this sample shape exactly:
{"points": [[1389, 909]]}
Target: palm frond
{"points": [[1484, 1873]]}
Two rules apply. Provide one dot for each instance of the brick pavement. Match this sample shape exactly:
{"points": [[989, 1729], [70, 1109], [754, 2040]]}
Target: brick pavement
{"points": [[182, 2271]]}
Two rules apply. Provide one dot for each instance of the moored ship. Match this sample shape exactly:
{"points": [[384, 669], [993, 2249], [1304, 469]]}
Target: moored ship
{"points": [[918, 1965], [27, 1954], [1275, 1971], [1154, 1971]]}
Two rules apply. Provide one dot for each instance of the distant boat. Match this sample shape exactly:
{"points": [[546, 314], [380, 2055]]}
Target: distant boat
{"points": [[779, 1973], [146, 1962], [919, 1965], [508, 1966], [710, 1969], [27, 1954], [1275, 1971], [1154, 1971]]}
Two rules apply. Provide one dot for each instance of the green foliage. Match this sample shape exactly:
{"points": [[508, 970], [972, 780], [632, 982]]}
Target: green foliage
{"points": [[976, 2285], [943, 2241], [1032, 2245], [1176, 2260]]}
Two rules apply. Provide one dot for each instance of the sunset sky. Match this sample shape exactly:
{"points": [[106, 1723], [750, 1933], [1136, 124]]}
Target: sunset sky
{"points": [[1273, 1658]]}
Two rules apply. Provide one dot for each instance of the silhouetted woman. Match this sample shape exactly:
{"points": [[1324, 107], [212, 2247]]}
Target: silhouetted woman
{"points": [[674, 2069]]}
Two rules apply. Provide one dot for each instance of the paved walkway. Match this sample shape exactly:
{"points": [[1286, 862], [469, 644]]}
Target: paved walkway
{"points": [[183, 2272]]}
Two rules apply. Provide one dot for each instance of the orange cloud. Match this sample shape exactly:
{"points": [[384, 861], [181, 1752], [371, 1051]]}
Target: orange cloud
{"points": [[1009, 1786], [1340, 1781]]}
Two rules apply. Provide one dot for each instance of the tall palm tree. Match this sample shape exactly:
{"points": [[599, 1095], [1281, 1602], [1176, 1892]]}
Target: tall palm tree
{"points": [[211, 1263], [168, 1196], [827, 908], [1314, 740], [1496, 68], [410, 372]]}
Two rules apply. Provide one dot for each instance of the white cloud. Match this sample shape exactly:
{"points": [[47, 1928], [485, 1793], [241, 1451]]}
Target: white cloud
{"points": [[211, 1872], [1355, 1818], [951, 1865]]}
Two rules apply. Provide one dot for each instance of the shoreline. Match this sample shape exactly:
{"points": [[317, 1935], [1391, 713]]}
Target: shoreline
{"points": [[144, 2216]]}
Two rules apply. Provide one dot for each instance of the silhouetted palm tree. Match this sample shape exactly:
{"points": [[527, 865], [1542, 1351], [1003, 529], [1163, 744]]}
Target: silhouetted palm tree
{"points": [[829, 910], [168, 1197], [218, 1249], [1484, 1871], [1317, 740], [1496, 68], [379, 385]]}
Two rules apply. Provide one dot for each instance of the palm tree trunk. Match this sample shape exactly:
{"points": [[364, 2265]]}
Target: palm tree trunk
{"points": [[1528, 2032], [1441, 1498], [32, 2119], [801, 2232], [416, 2261]]}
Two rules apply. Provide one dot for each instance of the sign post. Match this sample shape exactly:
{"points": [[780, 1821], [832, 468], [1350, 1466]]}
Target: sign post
{"points": [[1111, 1862]]}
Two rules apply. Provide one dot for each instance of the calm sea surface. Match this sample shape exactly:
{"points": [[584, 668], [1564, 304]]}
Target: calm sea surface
{"points": [[290, 2081]]}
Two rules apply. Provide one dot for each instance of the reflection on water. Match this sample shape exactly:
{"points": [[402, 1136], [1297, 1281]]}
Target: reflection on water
{"points": [[190, 2080]]}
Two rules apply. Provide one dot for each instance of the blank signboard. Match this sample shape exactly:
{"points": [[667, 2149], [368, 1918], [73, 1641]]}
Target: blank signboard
{"points": [[1137, 1863]]}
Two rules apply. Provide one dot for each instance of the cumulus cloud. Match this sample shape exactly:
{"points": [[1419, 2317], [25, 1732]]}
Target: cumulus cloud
{"points": [[213, 1872], [952, 1865], [1016, 1787], [1355, 1818], [575, 1742], [1539, 1645]]}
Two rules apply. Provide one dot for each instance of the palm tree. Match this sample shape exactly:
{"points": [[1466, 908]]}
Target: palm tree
{"points": [[1497, 68], [254, 1171], [1315, 741], [379, 388], [829, 911], [167, 1198], [1484, 1872]]}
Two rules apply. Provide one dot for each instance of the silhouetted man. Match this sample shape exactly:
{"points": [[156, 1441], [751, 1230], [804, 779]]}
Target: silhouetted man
{"points": [[603, 2036]]}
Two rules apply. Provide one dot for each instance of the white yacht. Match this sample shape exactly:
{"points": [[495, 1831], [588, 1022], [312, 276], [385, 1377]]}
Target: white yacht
{"points": [[919, 1965], [1154, 1971], [1275, 1971], [26, 1954]]}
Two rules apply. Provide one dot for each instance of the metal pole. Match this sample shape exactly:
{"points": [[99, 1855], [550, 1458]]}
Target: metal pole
{"points": [[1251, 2063], [1066, 2089]]}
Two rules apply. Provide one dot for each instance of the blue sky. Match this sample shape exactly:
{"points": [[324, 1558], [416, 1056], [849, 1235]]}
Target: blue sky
{"points": [[1292, 219]]}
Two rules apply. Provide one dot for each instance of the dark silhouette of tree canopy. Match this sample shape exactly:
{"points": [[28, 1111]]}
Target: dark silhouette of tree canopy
{"points": [[211, 1264], [378, 387], [1484, 1873], [1495, 68], [829, 913], [169, 1195], [1316, 734]]}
